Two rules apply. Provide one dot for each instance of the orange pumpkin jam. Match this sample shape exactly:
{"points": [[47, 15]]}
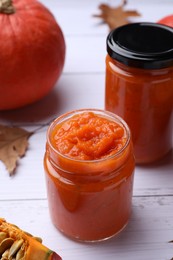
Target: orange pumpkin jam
{"points": [[144, 99], [89, 166], [88, 137]]}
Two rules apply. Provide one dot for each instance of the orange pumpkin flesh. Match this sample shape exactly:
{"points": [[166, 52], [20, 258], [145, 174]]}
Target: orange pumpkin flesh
{"points": [[32, 53], [29, 249]]}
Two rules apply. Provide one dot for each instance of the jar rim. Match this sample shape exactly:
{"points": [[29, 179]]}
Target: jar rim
{"points": [[145, 45], [69, 114]]}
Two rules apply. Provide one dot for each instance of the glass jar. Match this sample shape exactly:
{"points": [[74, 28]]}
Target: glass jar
{"points": [[139, 85], [89, 200]]}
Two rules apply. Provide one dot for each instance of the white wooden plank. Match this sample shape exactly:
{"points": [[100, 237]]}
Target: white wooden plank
{"points": [[28, 182], [71, 92], [155, 179], [85, 54], [146, 236], [75, 17]]}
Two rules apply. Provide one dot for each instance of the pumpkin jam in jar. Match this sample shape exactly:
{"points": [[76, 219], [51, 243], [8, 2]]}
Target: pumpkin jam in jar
{"points": [[139, 86], [89, 167]]}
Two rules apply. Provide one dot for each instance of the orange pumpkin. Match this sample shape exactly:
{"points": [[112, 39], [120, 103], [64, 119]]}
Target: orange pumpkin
{"points": [[19, 245], [167, 20], [32, 52]]}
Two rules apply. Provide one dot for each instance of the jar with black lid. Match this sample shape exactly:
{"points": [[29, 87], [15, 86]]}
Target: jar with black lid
{"points": [[139, 85], [89, 168]]}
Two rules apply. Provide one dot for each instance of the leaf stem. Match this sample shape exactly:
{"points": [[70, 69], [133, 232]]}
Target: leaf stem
{"points": [[6, 7]]}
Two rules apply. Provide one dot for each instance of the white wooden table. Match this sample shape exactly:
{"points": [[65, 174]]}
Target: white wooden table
{"points": [[23, 197]]}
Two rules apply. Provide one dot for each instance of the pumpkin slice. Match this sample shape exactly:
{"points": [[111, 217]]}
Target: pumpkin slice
{"points": [[17, 244]]}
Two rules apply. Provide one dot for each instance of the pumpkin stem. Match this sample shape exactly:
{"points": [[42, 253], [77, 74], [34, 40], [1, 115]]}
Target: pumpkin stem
{"points": [[6, 7]]}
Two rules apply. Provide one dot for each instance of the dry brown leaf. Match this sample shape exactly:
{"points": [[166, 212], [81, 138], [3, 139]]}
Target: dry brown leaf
{"points": [[115, 17], [13, 145]]}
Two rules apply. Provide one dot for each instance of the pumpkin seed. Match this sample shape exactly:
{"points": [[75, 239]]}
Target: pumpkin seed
{"points": [[5, 254], [28, 234], [38, 239], [3, 235], [20, 254], [23, 258], [13, 225], [15, 247], [6, 244]]}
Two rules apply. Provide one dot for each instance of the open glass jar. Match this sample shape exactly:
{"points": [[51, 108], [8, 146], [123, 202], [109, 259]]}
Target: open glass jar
{"points": [[139, 85], [89, 167]]}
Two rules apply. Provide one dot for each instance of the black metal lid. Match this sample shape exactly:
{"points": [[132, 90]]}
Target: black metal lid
{"points": [[144, 45]]}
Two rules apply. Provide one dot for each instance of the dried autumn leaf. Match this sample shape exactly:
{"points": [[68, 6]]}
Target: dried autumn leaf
{"points": [[13, 145], [115, 17]]}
